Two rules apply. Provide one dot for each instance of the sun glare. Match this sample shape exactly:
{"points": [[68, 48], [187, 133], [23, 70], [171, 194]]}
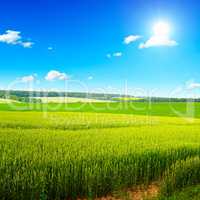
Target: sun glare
{"points": [[161, 29]]}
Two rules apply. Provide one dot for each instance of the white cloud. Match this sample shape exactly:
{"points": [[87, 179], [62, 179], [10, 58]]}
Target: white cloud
{"points": [[90, 77], [63, 77], [158, 40], [27, 44], [10, 37], [14, 38], [192, 86], [108, 55], [117, 54], [50, 48], [53, 75], [27, 79], [131, 38]]}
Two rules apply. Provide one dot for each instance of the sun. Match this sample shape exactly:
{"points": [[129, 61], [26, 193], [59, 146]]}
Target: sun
{"points": [[161, 29]]}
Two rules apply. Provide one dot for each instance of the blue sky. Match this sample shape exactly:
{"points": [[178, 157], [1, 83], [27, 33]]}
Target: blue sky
{"points": [[84, 42]]}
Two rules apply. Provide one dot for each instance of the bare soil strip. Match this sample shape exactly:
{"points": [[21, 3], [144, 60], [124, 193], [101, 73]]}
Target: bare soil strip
{"points": [[139, 193]]}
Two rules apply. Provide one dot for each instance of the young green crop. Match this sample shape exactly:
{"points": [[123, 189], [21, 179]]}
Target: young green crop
{"points": [[70, 155], [189, 193], [183, 173], [177, 109]]}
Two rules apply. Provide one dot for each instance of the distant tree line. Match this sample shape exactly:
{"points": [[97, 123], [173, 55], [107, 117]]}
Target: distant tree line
{"points": [[32, 94], [18, 96], [165, 99], [29, 96]]}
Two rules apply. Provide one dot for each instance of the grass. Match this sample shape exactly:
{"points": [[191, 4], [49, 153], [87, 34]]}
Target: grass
{"points": [[58, 155], [137, 108], [182, 174], [189, 193]]}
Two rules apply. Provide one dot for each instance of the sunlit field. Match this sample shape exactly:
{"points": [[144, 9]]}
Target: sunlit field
{"points": [[5, 101], [70, 155], [68, 100], [181, 109], [100, 100]]}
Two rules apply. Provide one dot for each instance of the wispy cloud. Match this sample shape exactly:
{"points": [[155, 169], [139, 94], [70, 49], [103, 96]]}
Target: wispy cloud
{"points": [[90, 77], [50, 48], [28, 79], [131, 38], [14, 38], [156, 41], [108, 55], [117, 54], [192, 86], [27, 44], [56, 75]]}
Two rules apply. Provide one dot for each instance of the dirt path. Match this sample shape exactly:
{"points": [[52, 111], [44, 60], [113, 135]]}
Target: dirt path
{"points": [[139, 193], [151, 192]]}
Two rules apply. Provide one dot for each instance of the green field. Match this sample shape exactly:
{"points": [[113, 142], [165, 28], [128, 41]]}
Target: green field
{"points": [[127, 98], [89, 152], [137, 108], [190, 193], [5, 101], [68, 100]]}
